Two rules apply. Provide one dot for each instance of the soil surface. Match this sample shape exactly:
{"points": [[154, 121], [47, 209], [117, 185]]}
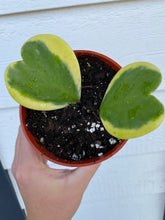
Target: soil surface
{"points": [[76, 132]]}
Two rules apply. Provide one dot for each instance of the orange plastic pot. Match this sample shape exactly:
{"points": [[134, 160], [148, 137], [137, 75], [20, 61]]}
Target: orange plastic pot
{"points": [[48, 155]]}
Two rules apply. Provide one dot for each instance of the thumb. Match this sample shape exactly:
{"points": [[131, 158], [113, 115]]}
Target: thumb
{"points": [[82, 175]]}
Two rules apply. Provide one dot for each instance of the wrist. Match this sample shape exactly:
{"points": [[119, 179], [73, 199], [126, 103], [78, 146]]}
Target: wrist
{"points": [[40, 218]]}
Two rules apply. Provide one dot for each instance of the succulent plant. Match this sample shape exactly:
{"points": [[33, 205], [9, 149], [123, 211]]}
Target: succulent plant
{"points": [[128, 109], [49, 78]]}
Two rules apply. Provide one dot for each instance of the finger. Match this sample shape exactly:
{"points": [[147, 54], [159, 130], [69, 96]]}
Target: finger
{"points": [[15, 160], [27, 155], [59, 173], [82, 175], [44, 161]]}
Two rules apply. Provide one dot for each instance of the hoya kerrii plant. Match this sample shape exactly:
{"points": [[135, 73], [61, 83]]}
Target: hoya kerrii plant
{"points": [[128, 109], [49, 78]]}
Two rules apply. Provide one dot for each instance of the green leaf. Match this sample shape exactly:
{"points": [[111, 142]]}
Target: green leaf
{"points": [[128, 109], [43, 77]]}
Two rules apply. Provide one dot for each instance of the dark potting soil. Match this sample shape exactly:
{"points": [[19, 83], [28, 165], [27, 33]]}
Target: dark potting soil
{"points": [[76, 132]]}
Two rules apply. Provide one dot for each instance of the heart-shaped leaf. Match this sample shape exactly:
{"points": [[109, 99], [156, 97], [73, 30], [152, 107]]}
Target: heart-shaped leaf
{"points": [[128, 109], [48, 77]]}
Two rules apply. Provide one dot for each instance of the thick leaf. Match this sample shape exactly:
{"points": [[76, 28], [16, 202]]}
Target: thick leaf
{"points": [[128, 109], [48, 77]]}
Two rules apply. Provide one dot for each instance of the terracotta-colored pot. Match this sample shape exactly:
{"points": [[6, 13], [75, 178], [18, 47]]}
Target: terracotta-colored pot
{"points": [[84, 162]]}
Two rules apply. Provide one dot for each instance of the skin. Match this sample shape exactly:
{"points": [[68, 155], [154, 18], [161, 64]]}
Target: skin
{"points": [[48, 193]]}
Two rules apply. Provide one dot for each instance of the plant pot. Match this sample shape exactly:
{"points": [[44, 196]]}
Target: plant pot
{"points": [[50, 156]]}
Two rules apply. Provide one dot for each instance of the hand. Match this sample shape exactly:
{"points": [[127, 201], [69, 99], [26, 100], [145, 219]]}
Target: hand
{"points": [[48, 194]]}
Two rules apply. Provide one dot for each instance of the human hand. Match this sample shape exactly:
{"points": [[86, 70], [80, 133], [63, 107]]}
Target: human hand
{"points": [[48, 194]]}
